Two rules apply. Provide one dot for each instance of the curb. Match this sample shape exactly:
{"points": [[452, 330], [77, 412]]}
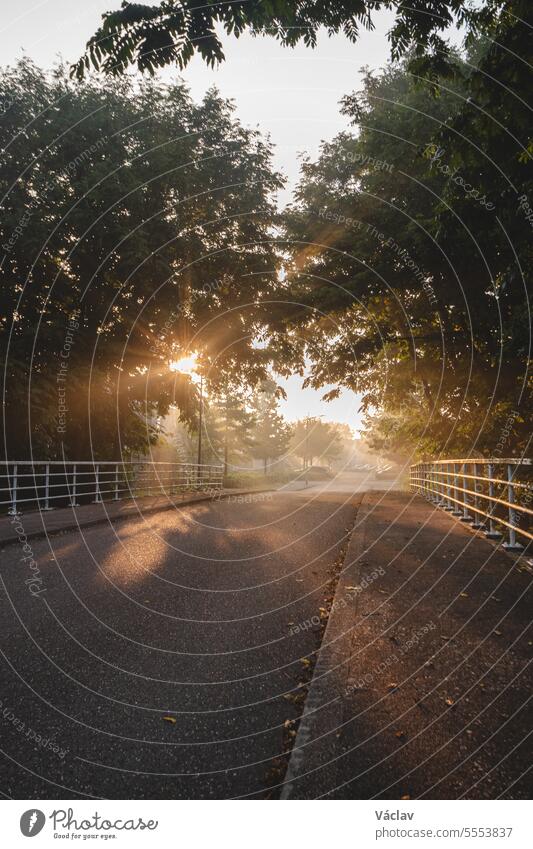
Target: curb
{"points": [[322, 706], [101, 520]]}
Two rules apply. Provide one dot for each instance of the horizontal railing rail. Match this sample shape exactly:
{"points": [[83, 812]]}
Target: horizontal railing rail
{"points": [[492, 495], [43, 485]]}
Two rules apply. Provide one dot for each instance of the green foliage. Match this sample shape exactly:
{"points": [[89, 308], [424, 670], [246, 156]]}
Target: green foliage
{"points": [[229, 426], [313, 439], [271, 434], [411, 255], [151, 37], [135, 225]]}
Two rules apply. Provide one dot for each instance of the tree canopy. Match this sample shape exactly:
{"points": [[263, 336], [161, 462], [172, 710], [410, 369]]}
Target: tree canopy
{"points": [[172, 31], [136, 224], [271, 434], [411, 253]]}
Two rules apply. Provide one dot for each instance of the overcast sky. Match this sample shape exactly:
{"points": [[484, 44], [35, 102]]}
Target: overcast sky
{"points": [[292, 94]]}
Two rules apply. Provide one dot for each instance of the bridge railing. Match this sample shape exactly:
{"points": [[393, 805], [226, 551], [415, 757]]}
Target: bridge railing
{"points": [[493, 495], [43, 485]]}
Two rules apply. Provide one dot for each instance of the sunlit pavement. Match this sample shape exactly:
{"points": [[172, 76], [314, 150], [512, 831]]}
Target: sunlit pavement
{"points": [[151, 658], [359, 481], [423, 684]]}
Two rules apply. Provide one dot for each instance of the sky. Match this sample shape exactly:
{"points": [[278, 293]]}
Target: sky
{"points": [[290, 93]]}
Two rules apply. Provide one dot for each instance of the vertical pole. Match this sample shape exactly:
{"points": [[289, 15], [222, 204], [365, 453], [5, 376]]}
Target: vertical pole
{"points": [[456, 511], [200, 417], [116, 483], [98, 497], [73, 502], [491, 533], [13, 509], [477, 522], [449, 504], [47, 487], [512, 545], [465, 517], [440, 489]]}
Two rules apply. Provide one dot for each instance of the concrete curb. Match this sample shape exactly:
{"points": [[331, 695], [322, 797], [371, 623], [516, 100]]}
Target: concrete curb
{"points": [[131, 514], [321, 712]]}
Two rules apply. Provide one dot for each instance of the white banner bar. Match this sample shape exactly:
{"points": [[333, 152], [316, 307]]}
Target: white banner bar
{"points": [[265, 824]]}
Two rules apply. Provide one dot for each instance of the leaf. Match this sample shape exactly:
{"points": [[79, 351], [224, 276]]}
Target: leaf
{"points": [[171, 719]]}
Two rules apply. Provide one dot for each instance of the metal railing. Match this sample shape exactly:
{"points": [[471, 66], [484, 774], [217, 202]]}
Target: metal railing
{"points": [[492, 495], [42, 485]]}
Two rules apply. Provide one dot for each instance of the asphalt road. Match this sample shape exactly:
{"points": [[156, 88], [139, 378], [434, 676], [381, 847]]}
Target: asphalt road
{"points": [[185, 615]]}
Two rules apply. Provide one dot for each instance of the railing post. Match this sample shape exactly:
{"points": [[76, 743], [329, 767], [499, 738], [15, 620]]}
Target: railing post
{"points": [[512, 545], [432, 484], [491, 533], [13, 509], [73, 493], [448, 505], [116, 483], [46, 487], [440, 485], [476, 523], [455, 511], [465, 517], [98, 496]]}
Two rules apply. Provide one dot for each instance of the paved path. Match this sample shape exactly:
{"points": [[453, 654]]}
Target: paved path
{"points": [[423, 686], [167, 656], [35, 524], [184, 614]]}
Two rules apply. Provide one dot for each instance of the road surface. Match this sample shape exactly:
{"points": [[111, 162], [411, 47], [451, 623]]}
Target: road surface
{"points": [[158, 658]]}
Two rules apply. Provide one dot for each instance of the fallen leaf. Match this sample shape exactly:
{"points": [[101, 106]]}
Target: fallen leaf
{"points": [[400, 735], [498, 633], [171, 719], [449, 701]]}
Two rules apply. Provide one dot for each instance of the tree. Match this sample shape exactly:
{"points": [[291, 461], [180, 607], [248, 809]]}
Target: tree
{"points": [[135, 224], [234, 424], [170, 32], [314, 439], [271, 434], [410, 275]]}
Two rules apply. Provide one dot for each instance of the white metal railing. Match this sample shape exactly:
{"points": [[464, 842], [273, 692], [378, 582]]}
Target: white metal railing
{"points": [[489, 494], [43, 485]]}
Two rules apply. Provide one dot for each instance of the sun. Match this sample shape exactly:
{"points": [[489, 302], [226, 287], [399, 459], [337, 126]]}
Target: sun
{"points": [[185, 365]]}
